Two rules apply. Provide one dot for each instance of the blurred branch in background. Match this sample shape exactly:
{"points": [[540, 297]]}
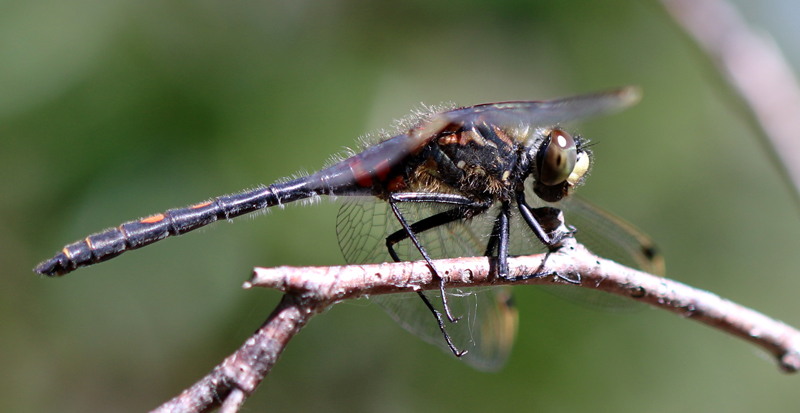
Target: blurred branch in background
{"points": [[310, 290], [755, 67]]}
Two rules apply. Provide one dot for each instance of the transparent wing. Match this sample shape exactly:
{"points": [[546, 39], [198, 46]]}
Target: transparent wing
{"points": [[526, 113], [546, 113], [489, 320], [363, 225], [486, 329], [611, 237]]}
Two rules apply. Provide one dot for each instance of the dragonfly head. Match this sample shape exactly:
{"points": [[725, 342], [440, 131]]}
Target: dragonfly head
{"points": [[559, 164]]}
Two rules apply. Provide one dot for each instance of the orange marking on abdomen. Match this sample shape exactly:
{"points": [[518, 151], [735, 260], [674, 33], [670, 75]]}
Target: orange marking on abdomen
{"points": [[201, 205], [152, 219]]}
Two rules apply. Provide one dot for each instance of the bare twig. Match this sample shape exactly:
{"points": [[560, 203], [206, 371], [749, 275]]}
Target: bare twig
{"points": [[237, 377], [755, 67], [310, 290]]}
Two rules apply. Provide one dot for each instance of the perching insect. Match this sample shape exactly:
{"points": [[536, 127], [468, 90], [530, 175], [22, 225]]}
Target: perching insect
{"points": [[452, 183]]}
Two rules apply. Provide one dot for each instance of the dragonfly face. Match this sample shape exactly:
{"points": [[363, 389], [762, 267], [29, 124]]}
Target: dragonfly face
{"points": [[451, 184]]}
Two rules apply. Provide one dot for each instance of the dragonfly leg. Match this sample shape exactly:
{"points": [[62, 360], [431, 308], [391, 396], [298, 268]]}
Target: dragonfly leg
{"points": [[502, 250], [465, 208], [431, 222], [412, 235], [409, 231], [498, 240], [549, 238], [442, 327]]}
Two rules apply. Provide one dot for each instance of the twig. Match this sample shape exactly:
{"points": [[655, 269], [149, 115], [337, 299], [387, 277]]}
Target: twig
{"points": [[755, 67], [310, 290], [239, 375]]}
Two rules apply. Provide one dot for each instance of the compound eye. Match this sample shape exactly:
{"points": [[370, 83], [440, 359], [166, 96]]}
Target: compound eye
{"points": [[557, 158]]}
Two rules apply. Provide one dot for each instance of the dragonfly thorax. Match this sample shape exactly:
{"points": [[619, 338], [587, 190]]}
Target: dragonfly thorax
{"points": [[480, 161]]}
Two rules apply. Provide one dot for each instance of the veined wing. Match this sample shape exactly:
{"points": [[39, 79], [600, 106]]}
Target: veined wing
{"points": [[533, 113], [611, 237], [489, 319], [487, 328], [489, 324]]}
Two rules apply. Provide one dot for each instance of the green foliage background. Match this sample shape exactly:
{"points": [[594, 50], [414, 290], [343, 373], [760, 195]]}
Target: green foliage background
{"points": [[112, 110]]}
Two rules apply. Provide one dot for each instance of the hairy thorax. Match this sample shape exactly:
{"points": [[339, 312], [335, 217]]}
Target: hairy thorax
{"points": [[478, 162]]}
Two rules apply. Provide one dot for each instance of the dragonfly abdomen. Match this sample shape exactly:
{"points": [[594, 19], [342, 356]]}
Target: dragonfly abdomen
{"points": [[136, 234], [339, 179]]}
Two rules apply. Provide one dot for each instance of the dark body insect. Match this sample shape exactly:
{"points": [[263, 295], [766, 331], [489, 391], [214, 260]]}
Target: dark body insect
{"points": [[453, 183]]}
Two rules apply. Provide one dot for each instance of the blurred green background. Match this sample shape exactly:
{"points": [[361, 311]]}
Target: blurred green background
{"points": [[112, 110]]}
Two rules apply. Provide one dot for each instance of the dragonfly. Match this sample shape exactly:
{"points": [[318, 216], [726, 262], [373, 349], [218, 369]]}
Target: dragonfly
{"points": [[490, 179]]}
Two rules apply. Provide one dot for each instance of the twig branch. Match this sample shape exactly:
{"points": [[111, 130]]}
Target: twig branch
{"points": [[754, 66], [239, 375], [309, 290]]}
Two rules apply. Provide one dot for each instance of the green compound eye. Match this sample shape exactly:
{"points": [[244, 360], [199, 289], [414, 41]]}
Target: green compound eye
{"points": [[557, 159]]}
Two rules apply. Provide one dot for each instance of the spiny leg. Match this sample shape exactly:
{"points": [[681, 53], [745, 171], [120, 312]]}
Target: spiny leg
{"points": [[410, 234], [466, 208], [442, 327]]}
